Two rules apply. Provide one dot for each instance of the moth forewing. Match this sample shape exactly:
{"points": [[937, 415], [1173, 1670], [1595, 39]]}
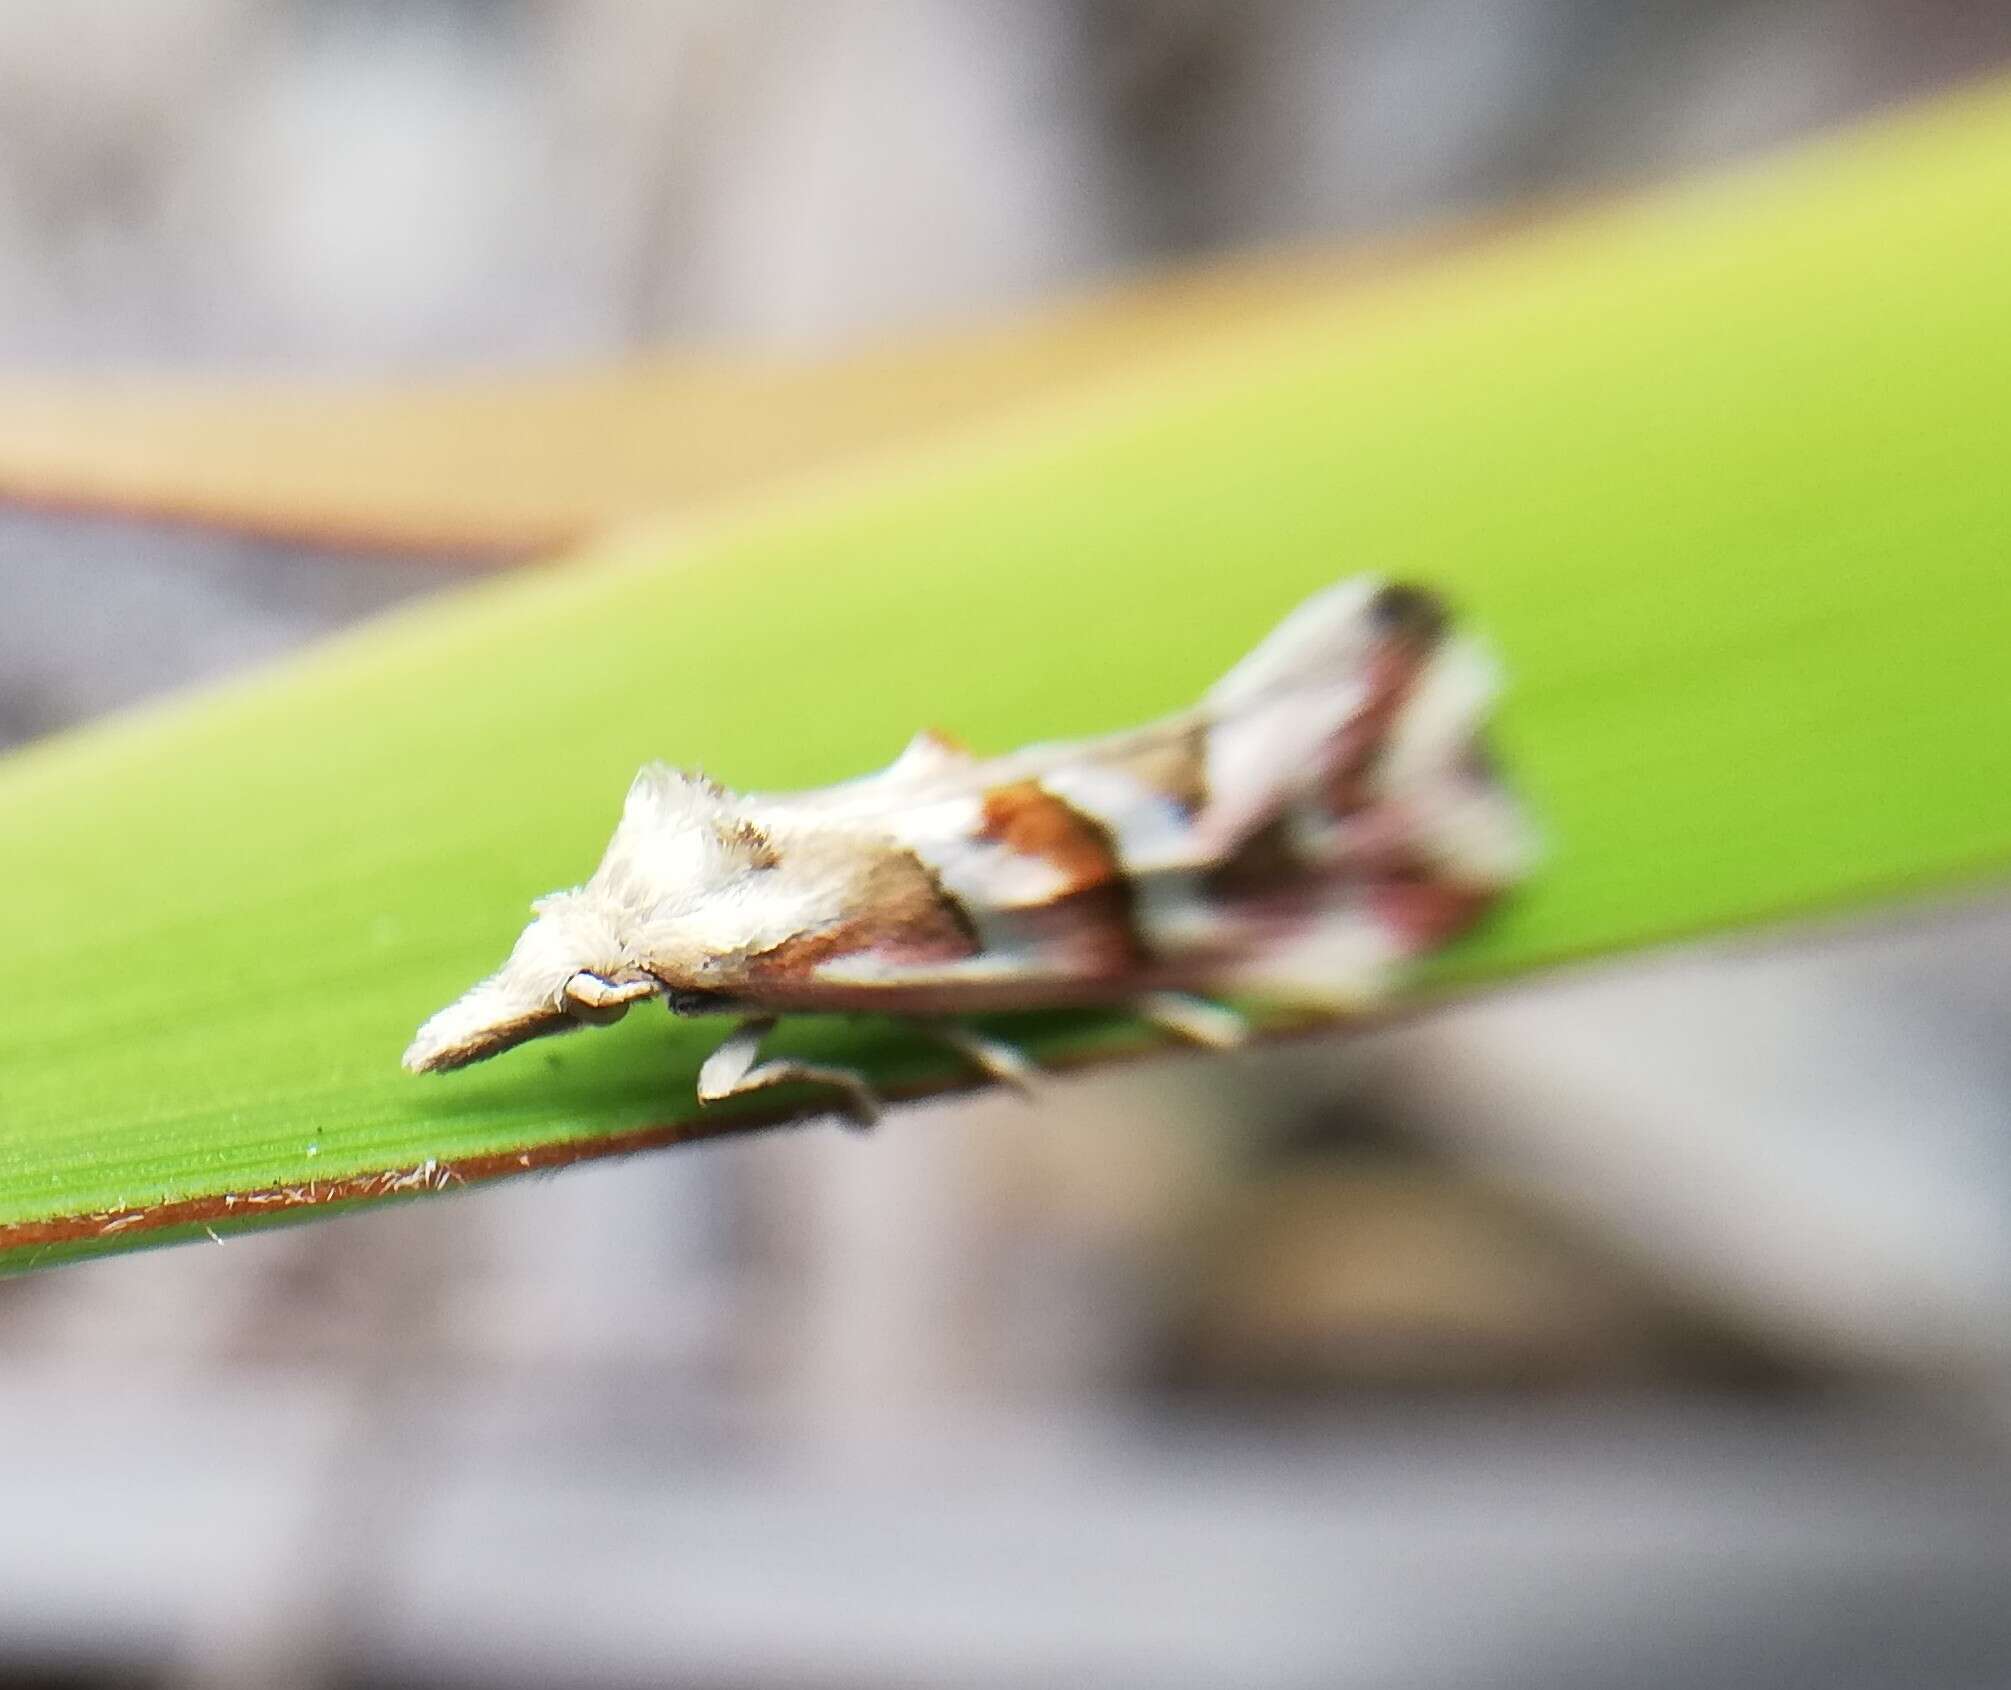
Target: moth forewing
{"points": [[1325, 814]]}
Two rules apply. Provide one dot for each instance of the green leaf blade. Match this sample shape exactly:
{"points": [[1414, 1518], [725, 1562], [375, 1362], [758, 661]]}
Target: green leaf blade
{"points": [[1721, 476]]}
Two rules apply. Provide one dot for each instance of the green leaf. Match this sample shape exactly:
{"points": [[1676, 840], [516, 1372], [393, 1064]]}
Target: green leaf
{"points": [[1721, 474]]}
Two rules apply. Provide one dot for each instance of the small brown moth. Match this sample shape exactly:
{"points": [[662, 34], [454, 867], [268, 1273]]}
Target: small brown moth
{"points": [[1326, 813]]}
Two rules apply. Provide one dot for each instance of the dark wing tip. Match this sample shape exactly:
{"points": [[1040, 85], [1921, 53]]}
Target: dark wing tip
{"points": [[1407, 612]]}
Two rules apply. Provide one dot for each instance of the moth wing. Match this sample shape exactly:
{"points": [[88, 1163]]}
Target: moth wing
{"points": [[1277, 714], [930, 764], [928, 756], [1326, 637], [1339, 690]]}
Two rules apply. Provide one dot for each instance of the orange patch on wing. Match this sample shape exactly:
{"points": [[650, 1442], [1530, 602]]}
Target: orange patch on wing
{"points": [[1092, 910], [1027, 818], [903, 916]]}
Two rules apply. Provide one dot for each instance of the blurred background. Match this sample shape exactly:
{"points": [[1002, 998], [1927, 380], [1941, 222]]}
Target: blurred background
{"points": [[1649, 1326]]}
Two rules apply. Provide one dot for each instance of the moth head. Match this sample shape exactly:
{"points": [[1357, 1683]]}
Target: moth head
{"points": [[566, 969], [667, 892]]}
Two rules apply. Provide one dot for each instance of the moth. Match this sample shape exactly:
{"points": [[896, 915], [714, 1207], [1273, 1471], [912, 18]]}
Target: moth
{"points": [[1325, 813]]}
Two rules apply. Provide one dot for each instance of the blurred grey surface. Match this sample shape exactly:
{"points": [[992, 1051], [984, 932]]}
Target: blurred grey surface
{"points": [[355, 184], [1650, 1326]]}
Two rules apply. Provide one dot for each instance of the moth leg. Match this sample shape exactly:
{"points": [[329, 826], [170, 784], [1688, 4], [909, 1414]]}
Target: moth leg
{"points": [[1194, 1019], [732, 1071], [1005, 1063]]}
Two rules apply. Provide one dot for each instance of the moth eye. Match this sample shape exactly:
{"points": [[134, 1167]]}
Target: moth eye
{"points": [[599, 1002]]}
